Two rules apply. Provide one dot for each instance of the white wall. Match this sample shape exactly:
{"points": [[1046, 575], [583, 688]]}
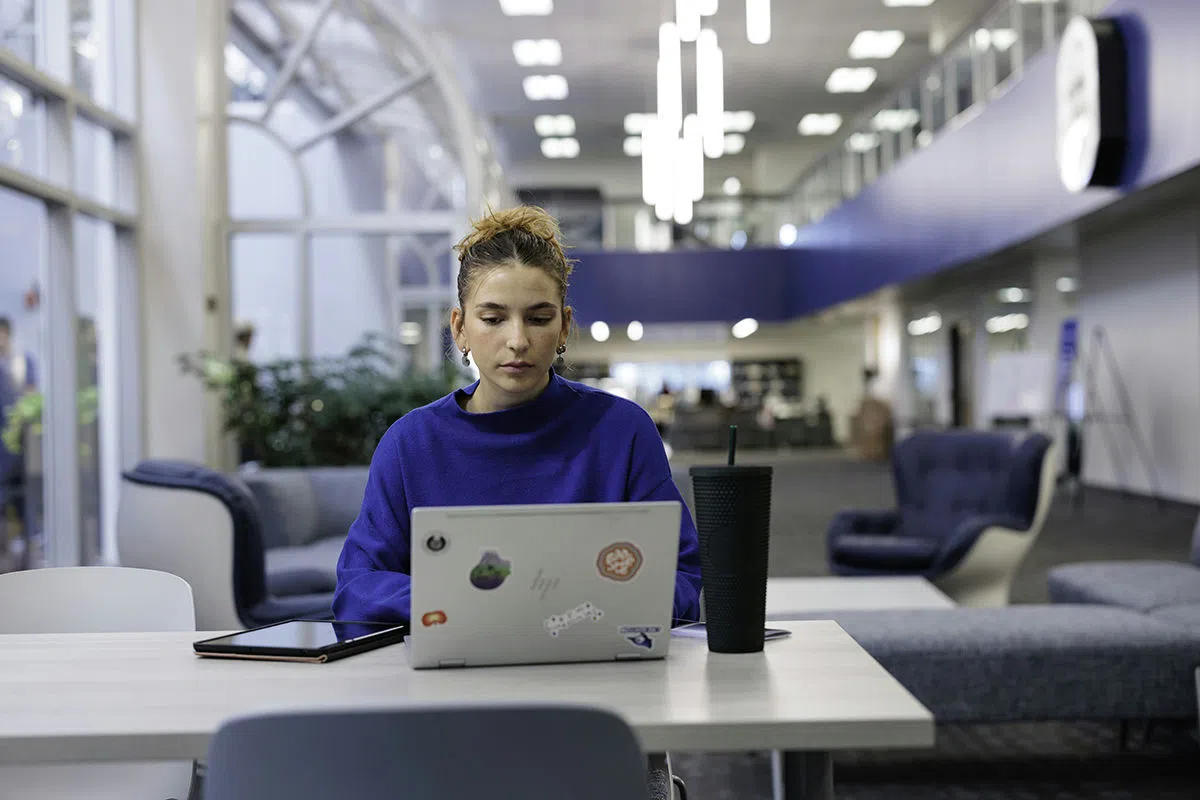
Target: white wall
{"points": [[173, 273], [832, 354], [1142, 284]]}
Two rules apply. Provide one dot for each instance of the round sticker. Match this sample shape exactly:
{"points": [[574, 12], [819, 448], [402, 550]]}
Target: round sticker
{"points": [[619, 561]]}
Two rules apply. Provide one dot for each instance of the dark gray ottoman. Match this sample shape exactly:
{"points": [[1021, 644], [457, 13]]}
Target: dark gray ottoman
{"points": [[1140, 585], [1034, 663]]}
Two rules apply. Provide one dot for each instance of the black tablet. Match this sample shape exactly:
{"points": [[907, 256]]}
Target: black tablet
{"points": [[311, 641]]}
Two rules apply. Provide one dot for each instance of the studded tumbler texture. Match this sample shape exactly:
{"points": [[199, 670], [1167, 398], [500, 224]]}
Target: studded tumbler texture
{"points": [[733, 519]]}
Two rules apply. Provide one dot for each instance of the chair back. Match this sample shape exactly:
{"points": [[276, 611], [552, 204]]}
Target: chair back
{"points": [[1196, 544], [198, 524], [95, 600], [497, 752], [944, 476]]}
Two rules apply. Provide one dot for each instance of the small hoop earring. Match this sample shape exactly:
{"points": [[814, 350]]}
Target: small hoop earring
{"points": [[466, 361], [558, 362]]}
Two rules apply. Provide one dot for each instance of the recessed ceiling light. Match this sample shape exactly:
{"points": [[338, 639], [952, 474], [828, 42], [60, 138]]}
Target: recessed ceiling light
{"points": [[560, 148], [537, 52], [545, 87], [907, 3], [819, 124], [732, 186], [862, 142], [637, 122], [744, 328], [851, 79], [633, 146], [787, 234], [1066, 284], [554, 125], [739, 121], [1013, 294], [634, 331], [734, 143], [600, 331], [527, 8], [895, 119], [876, 44]]}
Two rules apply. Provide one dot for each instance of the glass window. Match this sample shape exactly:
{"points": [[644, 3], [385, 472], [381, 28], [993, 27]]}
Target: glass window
{"points": [[960, 79], [22, 350], [1032, 28], [1002, 39], [934, 100], [94, 161], [264, 182], [20, 128], [19, 27], [88, 45], [354, 291], [95, 263], [266, 287]]}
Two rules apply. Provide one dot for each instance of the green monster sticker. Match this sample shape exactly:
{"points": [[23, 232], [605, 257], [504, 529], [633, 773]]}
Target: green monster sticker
{"points": [[490, 572]]}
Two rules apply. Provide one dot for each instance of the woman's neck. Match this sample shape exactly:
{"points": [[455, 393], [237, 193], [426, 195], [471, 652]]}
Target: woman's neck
{"points": [[487, 397]]}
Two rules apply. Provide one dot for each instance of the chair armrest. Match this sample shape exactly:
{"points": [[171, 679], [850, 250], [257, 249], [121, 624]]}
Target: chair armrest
{"points": [[857, 521], [966, 533], [875, 523]]}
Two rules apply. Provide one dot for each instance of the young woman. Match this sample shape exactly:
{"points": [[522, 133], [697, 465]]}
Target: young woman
{"points": [[520, 434]]}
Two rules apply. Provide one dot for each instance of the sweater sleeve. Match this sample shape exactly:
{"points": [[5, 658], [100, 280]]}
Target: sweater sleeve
{"points": [[649, 480], [373, 583]]}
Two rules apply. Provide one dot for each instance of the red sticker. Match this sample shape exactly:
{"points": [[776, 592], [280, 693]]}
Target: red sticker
{"points": [[431, 618], [619, 561]]}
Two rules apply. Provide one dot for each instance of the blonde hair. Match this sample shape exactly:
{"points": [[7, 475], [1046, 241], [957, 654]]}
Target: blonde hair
{"points": [[524, 235]]}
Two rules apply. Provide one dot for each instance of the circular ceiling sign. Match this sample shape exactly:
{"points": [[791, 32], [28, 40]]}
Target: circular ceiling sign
{"points": [[1092, 93]]}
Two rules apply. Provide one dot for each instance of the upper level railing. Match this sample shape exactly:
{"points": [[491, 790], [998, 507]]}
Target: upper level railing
{"points": [[976, 68]]}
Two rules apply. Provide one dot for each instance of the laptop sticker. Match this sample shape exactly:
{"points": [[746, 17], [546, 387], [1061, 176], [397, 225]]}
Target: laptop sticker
{"points": [[641, 635], [435, 542], [431, 618], [542, 584], [491, 571], [557, 623], [619, 561]]}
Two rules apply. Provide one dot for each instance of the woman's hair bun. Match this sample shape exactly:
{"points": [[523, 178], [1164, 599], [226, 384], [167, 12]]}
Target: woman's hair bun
{"points": [[520, 219]]}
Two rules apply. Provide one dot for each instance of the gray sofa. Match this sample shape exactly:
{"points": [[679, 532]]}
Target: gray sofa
{"points": [[1165, 590], [305, 515]]}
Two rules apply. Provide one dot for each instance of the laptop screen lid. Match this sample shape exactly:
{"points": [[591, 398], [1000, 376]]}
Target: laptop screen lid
{"points": [[522, 584]]}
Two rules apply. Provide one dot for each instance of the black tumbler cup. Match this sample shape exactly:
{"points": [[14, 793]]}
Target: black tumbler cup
{"points": [[733, 518]]}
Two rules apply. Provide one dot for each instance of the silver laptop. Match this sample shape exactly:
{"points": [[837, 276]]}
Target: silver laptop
{"points": [[535, 584]]}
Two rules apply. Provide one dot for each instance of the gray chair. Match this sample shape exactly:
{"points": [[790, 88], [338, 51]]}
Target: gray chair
{"points": [[428, 753]]}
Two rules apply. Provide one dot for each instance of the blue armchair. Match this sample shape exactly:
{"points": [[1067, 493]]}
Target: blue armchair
{"points": [[969, 507]]}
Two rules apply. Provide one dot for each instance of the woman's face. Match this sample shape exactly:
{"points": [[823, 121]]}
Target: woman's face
{"points": [[513, 324]]}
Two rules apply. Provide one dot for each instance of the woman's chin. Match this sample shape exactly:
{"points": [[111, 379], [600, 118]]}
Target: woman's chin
{"points": [[514, 379]]}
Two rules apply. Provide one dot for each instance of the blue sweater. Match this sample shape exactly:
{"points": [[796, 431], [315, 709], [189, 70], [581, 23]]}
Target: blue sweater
{"points": [[572, 444]]}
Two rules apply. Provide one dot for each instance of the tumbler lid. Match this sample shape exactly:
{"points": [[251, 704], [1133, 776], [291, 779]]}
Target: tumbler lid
{"points": [[726, 471]]}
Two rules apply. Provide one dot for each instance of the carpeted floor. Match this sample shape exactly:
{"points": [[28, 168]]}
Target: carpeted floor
{"points": [[1014, 762]]}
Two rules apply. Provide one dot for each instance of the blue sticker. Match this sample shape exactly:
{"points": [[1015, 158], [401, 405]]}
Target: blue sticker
{"points": [[641, 635]]}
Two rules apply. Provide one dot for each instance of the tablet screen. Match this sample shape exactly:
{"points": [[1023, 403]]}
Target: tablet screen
{"points": [[304, 634]]}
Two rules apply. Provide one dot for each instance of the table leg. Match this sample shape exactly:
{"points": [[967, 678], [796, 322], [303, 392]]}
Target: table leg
{"points": [[802, 776]]}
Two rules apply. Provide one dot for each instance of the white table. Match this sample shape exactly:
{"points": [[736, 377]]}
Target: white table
{"points": [[787, 597], [147, 696]]}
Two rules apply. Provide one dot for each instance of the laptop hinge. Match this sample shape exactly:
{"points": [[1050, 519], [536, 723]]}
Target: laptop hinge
{"points": [[447, 663], [629, 657]]}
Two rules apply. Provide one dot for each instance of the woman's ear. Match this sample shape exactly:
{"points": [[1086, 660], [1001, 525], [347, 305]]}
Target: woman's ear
{"points": [[456, 325], [568, 320]]}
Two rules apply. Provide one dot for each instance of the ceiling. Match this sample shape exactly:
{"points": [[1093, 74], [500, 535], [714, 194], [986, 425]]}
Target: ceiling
{"points": [[610, 48]]}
